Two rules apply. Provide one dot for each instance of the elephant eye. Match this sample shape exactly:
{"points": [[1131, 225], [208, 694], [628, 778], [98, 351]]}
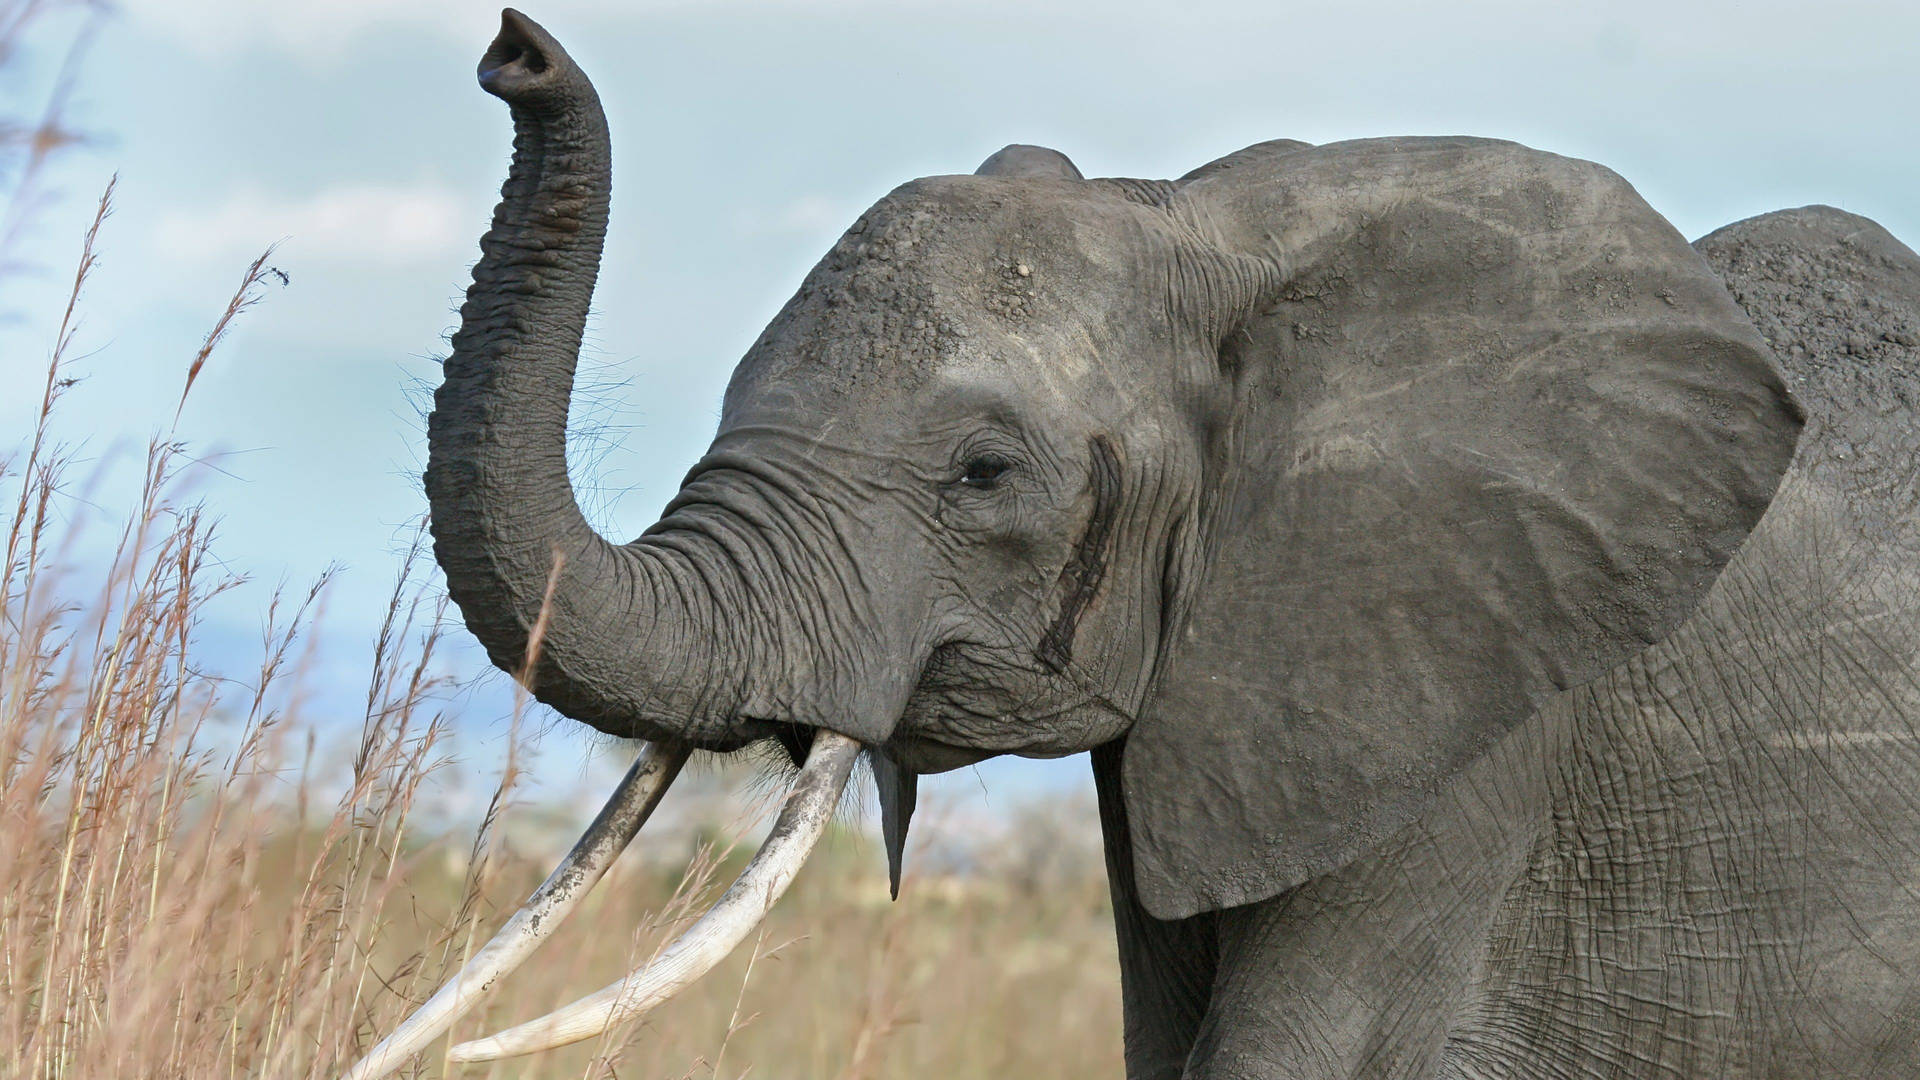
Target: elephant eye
{"points": [[984, 472]]}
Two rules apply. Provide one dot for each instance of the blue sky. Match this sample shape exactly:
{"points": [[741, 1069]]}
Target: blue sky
{"points": [[747, 133]]}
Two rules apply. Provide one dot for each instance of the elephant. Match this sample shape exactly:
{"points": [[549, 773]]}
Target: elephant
{"points": [[1490, 618]]}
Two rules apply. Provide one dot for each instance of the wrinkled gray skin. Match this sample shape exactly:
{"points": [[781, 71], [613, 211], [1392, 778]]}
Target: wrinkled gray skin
{"points": [[1486, 675]]}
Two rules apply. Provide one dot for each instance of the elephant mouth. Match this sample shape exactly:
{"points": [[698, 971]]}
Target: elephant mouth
{"points": [[926, 755]]}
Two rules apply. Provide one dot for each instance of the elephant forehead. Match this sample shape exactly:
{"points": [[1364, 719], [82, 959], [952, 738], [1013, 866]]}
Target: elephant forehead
{"points": [[1017, 382], [943, 271]]}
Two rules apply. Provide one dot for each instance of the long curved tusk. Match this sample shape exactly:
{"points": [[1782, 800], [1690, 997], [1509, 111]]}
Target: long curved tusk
{"points": [[628, 808], [802, 821]]}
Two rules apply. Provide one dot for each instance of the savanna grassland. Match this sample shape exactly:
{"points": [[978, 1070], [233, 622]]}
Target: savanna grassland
{"points": [[204, 875]]}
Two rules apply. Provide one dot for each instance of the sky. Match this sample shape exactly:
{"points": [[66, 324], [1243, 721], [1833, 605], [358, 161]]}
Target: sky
{"points": [[747, 134]]}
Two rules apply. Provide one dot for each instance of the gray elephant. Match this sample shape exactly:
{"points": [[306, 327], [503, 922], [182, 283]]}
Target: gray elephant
{"points": [[1494, 664]]}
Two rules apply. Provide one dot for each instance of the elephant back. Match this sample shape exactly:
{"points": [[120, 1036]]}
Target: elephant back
{"points": [[1837, 297]]}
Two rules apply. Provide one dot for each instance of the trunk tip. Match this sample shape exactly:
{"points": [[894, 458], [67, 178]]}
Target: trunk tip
{"points": [[523, 59]]}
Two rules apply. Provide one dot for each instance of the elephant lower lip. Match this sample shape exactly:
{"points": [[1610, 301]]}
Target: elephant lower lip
{"points": [[718, 739], [922, 755], [919, 754]]}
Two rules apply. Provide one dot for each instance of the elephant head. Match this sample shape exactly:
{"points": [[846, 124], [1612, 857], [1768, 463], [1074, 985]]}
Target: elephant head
{"points": [[1308, 475]]}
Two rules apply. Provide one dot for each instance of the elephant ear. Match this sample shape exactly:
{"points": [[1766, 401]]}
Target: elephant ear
{"points": [[1497, 431]]}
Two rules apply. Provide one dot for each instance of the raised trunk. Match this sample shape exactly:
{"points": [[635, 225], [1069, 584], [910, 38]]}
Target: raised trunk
{"points": [[631, 637]]}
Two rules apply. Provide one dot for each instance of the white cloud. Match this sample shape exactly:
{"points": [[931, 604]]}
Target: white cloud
{"points": [[367, 223]]}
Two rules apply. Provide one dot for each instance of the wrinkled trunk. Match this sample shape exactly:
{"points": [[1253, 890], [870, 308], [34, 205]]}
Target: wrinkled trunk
{"points": [[632, 636]]}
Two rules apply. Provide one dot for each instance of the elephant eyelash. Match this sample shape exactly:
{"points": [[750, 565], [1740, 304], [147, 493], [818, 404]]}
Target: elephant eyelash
{"points": [[984, 472]]}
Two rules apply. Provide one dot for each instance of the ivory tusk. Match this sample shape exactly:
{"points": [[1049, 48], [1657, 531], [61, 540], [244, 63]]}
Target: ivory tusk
{"points": [[802, 821], [628, 808]]}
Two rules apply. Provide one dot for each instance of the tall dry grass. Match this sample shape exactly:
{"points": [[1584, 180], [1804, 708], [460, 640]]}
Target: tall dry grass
{"points": [[200, 877]]}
